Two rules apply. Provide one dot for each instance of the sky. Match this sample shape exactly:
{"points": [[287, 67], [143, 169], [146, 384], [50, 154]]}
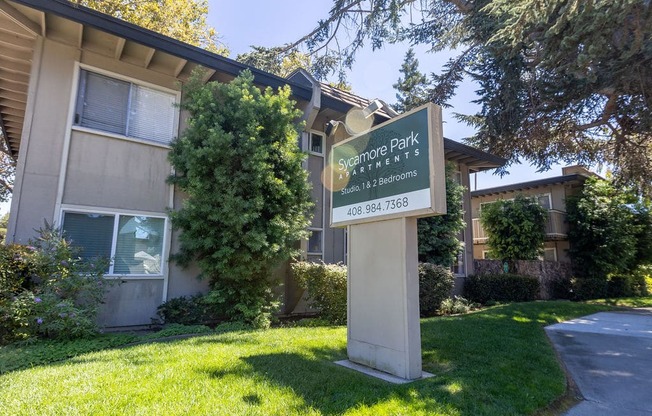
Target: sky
{"points": [[242, 23]]}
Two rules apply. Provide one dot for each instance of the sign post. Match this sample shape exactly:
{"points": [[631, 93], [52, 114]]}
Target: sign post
{"points": [[382, 181]]}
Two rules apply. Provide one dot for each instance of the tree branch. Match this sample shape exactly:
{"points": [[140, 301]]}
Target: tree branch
{"points": [[336, 16]]}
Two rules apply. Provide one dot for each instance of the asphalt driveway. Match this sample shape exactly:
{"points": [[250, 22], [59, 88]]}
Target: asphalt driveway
{"points": [[609, 356]]}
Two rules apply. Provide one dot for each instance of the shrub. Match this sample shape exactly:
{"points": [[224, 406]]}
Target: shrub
{"points": [[501, 288], [626, 285], [49, 291], [435, 285], [589, 288], [456, 305], [326, 285], [191, 310]]}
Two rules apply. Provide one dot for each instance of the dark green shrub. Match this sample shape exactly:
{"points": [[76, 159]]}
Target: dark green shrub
{"points": [[589, 288], [501, 288], [561, 289], [193, 310], [435, 285], [326, 285], [627, 285]]}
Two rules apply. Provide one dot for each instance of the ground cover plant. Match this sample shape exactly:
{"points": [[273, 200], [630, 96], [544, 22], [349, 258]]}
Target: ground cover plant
{"points": [[492, 362]]}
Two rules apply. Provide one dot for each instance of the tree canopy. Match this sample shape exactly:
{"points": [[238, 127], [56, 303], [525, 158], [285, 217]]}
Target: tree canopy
{"points": [[7, 170], [611, 230], [560, 81], [516, 228], [184, 20]]}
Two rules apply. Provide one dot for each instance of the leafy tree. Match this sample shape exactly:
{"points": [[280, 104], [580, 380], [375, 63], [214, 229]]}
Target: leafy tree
{"points": [[412, 87], [610, 230], [270, 60], [439, 235], [560, 80], [184, 20], [248, 198], [516, 228], [7, 171]]}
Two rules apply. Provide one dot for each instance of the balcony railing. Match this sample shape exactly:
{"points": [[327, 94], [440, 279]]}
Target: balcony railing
{"points": [[556, 227]]}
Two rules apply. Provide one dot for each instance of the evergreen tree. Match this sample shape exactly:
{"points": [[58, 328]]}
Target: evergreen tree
{"points": [[516, 228], [248, 198], [439, 235], [606, 226], [412, 87]]}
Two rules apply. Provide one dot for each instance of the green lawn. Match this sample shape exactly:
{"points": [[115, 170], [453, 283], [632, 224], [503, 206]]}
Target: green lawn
{"points": [[493, 362]]}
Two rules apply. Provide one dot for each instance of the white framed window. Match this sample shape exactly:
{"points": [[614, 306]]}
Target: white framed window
{"points": [[317, 142], [486, 255], [125, 108], [134, 243], [545, 200]]}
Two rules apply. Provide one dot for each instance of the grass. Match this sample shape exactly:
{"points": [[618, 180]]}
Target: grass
{"points": [[497, 361]]}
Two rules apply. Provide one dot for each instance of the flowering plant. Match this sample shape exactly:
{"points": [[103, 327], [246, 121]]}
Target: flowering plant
{"points": [[61, 297]]}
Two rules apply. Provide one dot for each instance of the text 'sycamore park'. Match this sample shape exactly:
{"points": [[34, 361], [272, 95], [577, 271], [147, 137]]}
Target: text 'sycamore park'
{"points": [[384, 171]]}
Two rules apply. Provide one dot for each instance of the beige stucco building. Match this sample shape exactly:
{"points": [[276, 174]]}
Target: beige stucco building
{"points": [[88, 109], [551, 194]]}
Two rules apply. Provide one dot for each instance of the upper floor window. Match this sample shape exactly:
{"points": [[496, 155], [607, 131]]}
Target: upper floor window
{"points": [[316, 143], [125, 108]]}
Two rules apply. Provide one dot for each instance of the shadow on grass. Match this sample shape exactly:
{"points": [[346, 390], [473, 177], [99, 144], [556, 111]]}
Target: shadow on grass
{"points": [[332, 389]]}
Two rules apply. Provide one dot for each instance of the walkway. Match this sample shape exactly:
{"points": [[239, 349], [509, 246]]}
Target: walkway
{"points": [[609, 356]]}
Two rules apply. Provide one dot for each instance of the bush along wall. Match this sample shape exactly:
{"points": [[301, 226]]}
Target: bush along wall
{"points": [[501, 288], [47, 290], [326, 285], [435, 286]]}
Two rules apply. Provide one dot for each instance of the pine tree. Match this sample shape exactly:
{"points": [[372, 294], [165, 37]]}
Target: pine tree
{"points": [[412, 88]]}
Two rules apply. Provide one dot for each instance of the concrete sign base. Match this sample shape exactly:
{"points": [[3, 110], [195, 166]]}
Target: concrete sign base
{"points": [[383, 322]]}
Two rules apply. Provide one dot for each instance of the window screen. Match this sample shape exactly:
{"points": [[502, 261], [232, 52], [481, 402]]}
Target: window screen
{"points": [[103, 103], [93, 233]]}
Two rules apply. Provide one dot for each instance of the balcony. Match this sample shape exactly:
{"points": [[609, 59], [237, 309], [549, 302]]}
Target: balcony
{"points": [[556, 227]]}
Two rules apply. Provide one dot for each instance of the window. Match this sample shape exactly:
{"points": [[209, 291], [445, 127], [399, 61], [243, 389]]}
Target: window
{"points": [[545, 201], [315, 242], [134, 243], [121, 107], [550, 254], [316, 143]]}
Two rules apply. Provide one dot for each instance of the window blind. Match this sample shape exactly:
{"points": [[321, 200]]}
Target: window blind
{"points": [[104, 103], [92, 233]]}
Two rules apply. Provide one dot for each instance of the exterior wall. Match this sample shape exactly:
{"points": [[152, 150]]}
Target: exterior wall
{"points": [[558, 194], [68, 167], [43, 140]]}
